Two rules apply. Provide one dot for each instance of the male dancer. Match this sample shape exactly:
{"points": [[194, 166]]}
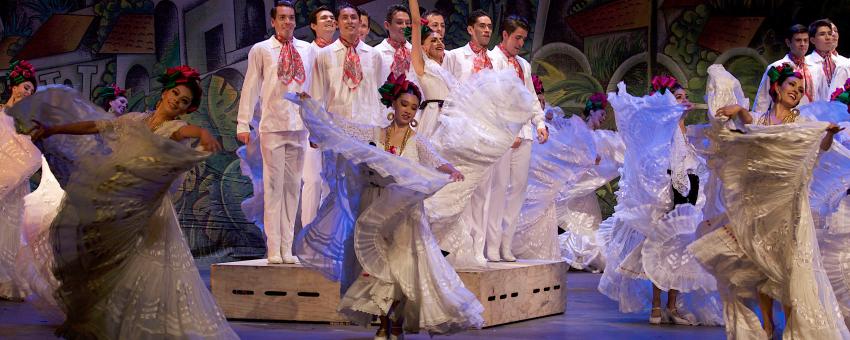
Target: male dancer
{"points": [[797, 40], [395, 49], [822, 62], [436, 21], [323, 25], [510, 176], [345, 75], [364, 28], [277, 66], [463, 62]]}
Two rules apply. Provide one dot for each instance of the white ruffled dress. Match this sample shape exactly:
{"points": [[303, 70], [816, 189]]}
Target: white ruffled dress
{"points": [[646, 241], [114, 259], [372, 234], [20, 159], [766, 243]]}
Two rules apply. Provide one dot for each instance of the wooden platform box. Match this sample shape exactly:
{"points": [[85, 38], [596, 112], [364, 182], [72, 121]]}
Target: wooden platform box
{"points": [[522, 290], [257, 290], [510, 292]]}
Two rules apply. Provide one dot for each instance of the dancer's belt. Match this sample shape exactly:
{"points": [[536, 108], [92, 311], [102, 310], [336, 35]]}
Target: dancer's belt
{"points": [[425, 103]]}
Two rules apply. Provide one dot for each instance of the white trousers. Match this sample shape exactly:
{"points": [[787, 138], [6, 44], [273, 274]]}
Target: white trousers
{"points": [[477, 215], [283, 161], [315, 188], [509, 184]]}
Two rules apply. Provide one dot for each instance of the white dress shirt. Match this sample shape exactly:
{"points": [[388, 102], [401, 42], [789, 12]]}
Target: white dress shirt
{"points": [[387, 53], [262, 86], [461, 62], [360, 105], [500, 62], [821, 89]]}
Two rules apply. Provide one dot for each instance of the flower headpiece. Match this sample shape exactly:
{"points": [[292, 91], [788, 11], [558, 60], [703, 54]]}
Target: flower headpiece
{"points": [[842, 94], [538, 85], [394, 87], [424, 29], [778, 74], [183, 75], [664, 83], [109, 92], [598, 101], [21, 71]]}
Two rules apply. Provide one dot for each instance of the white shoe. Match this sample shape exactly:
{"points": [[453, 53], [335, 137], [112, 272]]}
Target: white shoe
{"points": [[506, 253], [676, 319], [493, 256], [656, 320], [289, 259], [275, 259]]}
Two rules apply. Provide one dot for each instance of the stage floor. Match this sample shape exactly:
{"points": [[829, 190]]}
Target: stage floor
{"points": [[590, 315]]}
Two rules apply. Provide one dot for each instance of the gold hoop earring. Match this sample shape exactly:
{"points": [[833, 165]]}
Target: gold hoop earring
{"points": [[414, 123], [390, 116]]}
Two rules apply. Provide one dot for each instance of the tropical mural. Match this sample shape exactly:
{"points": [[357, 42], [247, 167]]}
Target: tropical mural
{"points": [[578, 47]]}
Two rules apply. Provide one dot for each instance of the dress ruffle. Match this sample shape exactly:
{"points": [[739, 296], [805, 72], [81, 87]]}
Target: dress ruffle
{"points": [[118, 254], [478, 124], [556, 165]]}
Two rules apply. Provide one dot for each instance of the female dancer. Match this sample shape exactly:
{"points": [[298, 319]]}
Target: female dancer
{"points": [[398, 271], [427, 59], [767, 251], [579, 207], [20, 160], [112, 99], [648, 238], [115, 247]]}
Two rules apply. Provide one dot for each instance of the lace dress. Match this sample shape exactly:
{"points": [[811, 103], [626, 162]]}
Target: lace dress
{"points": [[768, 245], [578, 207], [646, 241], [20, 160], [372, 233], [555, 168], [115, 247], [437, 83]]}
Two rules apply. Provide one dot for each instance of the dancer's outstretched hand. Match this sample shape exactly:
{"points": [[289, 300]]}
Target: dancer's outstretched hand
{"points": [[209, 142], [542, 135], [729, 111], [39, 131], [833, 128], [456, 176]]}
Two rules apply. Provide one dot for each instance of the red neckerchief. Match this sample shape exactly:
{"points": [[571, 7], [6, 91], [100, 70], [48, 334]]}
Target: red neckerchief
{"points": [[800, 65], [352, 72], [828, 65], [322, 42], [289, 64], [401, 57], [514, 62], [482, 60]]}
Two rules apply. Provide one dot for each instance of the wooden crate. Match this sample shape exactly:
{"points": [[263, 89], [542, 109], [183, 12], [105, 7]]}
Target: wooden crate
{"points": [[522, 290], [257, 290], [510, 292]]}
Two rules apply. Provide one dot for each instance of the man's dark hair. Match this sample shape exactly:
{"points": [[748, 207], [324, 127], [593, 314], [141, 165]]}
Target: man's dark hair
{"points": [[278, 3], [347, 5], [813, 27], [473, 17], [433, 12], [795, 29], [512, 22], [314, 15], [393, 9]]}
